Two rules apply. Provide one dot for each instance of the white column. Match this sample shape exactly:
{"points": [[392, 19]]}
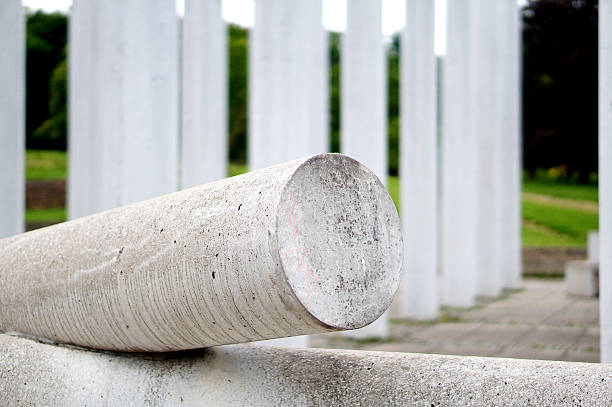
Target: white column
{"points": [[288, 83], [484, 119], [204, 91], [82, 87], [288, 90], [510, 23], [130, 59], [605, 178], [363, 84], [364, 105], [459, 200], [418, 162], [12, 117]]}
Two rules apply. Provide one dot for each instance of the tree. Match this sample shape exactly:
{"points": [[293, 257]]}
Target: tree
{"points": [[560, 85], [45, 43]]}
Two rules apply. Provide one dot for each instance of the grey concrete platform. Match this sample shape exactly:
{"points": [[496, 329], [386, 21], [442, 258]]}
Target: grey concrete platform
{"points": [[539, 322]]}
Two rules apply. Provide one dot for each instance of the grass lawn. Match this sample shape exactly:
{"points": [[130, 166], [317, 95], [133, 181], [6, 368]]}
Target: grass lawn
{"points": [[47, 215], [45, 164], [547, 223], [569, 191]]}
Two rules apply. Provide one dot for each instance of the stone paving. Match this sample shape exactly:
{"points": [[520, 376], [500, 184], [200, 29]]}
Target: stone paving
{"points": [[538, 322]]}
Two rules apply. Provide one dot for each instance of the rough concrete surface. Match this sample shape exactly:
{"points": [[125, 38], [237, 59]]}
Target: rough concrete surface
{"points": [[32, 373], [308, 246]]}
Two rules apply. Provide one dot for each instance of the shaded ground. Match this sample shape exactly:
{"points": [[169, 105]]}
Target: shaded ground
{"points": [[539, 322]]}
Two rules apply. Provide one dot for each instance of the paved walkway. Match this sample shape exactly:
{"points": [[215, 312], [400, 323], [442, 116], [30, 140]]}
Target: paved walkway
{"points": [[539, 322]]}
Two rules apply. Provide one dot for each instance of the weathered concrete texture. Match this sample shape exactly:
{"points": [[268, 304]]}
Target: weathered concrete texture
{"points": [[12, 118], [459, 200], [484, 117], [308, 246], [418, 163], [39, 374], [605, 176], [288, 83], [204, 139], [124, 103]]}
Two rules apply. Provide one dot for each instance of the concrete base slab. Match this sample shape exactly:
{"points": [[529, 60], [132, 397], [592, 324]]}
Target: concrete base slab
{"points": [[32, 373]]}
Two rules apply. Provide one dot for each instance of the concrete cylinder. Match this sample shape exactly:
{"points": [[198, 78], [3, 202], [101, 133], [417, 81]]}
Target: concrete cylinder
{"points": [[309, 246], [12, 118], [605, 178]]}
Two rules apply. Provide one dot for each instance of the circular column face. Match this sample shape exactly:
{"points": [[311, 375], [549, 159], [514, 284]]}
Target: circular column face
{"points": [[340, 241]]}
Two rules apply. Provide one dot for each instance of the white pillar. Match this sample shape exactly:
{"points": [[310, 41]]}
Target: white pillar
{"points": [[129, 145], [510, 97], [605, 178], [418, 163], [363, 84], [485, 121], [288, 90], [82, 87], [364, 105], [204, 91], [12, 117], [459, 200], [288, 82]]}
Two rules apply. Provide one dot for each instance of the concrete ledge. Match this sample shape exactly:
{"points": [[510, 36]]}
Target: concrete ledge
{"points": [[32, 373], [549, 260], [582, 277]]}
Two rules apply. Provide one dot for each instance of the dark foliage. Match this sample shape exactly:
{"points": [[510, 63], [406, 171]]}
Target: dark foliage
{"points": [[560, 85], [45, 42]]}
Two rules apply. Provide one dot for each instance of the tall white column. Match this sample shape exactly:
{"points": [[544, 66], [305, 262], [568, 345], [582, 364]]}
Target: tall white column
{"points": [[128, 148], [288, 90], [288, 82], [605, 178], [204, 91], [363, 85], [459, 200], [418, 162], [511, 154], [364, 105], [485, 121], [12, 117]]}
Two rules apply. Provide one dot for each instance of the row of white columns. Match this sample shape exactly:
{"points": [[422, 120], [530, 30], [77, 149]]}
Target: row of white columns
{"points": [[124, 120]]}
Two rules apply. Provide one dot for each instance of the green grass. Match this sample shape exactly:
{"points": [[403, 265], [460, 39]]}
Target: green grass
{"points": [[237, 169], [393, 188], [574, 223], [567, 191], [536, 235], [45, 164], [548, 224], [47, 215]]}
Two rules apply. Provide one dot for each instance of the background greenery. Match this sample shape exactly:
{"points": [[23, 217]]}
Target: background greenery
{"points": [[563, 219], [559, 88]]}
